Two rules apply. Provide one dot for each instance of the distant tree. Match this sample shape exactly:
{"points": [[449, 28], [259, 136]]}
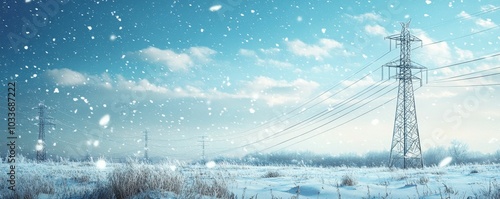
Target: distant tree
{"points": [[376, 158], [433, 156], [458, 151], [477, 157], [496, 157]]}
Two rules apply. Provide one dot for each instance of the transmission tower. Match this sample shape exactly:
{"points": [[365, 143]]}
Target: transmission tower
{"points": [[42, 122], [406, 151], [203, 149], [146, 149]]}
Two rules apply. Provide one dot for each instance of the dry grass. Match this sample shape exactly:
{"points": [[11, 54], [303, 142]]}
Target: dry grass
{"points": [[490, 192], [30, 186], [131, 179]]}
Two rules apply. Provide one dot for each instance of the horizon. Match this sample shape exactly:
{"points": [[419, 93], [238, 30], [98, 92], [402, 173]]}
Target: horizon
{"points": [[245, 77]]}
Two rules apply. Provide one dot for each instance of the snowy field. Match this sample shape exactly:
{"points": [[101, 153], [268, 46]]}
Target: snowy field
{"points": [[178, 180]]}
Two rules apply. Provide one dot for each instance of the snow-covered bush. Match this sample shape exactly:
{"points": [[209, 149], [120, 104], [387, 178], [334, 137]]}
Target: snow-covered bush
{"points": [[271, 174], [348, 180]]}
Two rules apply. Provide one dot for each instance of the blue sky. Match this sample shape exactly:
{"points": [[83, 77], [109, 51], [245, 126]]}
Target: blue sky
{"points": [[241, 74]]}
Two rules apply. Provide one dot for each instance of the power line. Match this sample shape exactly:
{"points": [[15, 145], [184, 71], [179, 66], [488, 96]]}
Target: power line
{"points": [[469, 85], [468, 61], [337, 126], [430, 69], [316, 128], [463, 36], [334, 113], [469, 16], [468, 78], [467, 74], [325, 111], [316, 97], [351, 99]]}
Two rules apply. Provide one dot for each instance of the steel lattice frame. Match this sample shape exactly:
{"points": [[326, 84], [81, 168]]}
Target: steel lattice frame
{"points": [[406, 151], [42, 121]]}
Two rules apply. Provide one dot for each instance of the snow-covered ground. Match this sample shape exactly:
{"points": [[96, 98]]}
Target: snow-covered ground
{"points": [[61, 180]]}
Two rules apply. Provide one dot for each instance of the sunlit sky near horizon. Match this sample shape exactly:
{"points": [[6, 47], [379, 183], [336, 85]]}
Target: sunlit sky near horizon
{"points": [[245, 75]]}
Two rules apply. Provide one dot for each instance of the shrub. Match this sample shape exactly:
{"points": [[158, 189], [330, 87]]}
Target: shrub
{"points": [[423, 180], [348, 180], [271, 174]]}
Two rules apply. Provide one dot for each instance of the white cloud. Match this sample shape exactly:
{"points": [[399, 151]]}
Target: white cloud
{"points": [[273, 62], [435, 95], [318, 51], [177, 61], [265, 61], [140, 86], [376, 30], [247, 53], [272, 92], [435, 55], [464, 54], [368, 17], [322, 68], [485, 23], [367, 81], [202, 53], [278, 92], [464, 14], [67, 77], [330, 43], [488, 7], [270, 51]]}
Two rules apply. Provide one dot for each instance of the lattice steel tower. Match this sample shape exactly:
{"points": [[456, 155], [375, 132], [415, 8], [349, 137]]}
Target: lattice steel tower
{"points": [[146, 149], [42, 122], [405, 148]]}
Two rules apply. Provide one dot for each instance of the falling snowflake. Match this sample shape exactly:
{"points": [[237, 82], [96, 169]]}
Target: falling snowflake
{"points": [[100, 164], [445, 162], [210, 164], [215, 8], [104, 120]]}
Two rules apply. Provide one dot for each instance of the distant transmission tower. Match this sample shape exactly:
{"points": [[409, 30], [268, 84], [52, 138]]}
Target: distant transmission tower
{"points": [[42, 122], [406, 151], [146, 149], [203, 149]]}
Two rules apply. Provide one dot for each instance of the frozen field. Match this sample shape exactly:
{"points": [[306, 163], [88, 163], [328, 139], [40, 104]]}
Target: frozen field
{"points": [[177, 180]]}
